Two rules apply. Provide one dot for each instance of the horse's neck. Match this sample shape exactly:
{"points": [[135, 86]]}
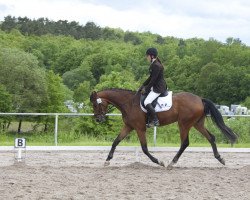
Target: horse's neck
{"points": [[118, 99]]}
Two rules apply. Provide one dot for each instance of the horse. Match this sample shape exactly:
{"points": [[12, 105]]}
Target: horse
{"points": [[188, 110]]}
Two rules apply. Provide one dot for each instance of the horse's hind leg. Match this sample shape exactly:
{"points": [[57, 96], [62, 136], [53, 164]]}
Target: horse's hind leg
{"points": [[184, 144], [210, 137], [124, 132]]}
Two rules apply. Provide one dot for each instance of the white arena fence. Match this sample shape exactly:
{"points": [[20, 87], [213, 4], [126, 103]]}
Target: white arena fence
{"points": [[56, 115]]}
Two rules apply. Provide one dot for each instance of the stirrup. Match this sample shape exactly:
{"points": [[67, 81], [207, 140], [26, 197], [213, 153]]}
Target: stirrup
{"points": [[153, 123], [149, 125], [156, 122]]}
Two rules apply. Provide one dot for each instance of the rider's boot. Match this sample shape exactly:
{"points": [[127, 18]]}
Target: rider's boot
{"points": [[152, 115]]}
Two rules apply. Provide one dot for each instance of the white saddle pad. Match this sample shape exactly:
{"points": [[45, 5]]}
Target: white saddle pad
{"points": [[163, 103]]}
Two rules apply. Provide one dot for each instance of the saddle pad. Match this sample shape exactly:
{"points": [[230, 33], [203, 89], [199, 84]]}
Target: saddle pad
{"points": [[163, 103]]}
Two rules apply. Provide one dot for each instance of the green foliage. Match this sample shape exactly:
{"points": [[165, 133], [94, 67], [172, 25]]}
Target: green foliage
{"points": [[5, 106], [247, 102], [241, 127], [184, 60], [69, 59], [56, 94], [131, 37], [232, 87], [75, 77], [81, 93], [23, 79], [45, 62], [5, 100], [124, 79]]}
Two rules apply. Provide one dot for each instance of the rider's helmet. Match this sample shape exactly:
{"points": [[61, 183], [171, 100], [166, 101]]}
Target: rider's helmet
{"points": [[152, 52]]}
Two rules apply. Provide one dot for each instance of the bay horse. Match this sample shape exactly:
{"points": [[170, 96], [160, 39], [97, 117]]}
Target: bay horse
{"points": [[188, 110]]}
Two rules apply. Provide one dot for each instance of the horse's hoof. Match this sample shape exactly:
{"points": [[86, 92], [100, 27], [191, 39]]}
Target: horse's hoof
{"points": [[170, 166], [107, 163], [161, 163], [222, 161]]}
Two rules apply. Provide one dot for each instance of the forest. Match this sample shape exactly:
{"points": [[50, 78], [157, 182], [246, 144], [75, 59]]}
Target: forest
{"points": [[44, 63]]}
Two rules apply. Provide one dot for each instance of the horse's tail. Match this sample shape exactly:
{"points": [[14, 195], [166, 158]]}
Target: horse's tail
{"points": [[209, 108]]}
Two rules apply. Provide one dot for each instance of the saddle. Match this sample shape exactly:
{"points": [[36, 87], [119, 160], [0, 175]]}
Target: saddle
{"points": [[160, 104]]}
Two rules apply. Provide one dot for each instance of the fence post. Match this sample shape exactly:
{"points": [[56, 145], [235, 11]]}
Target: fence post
{"points": [[56, 128], [155, 132]]}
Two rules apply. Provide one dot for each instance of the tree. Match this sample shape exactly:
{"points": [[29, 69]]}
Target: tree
{"points": [[92, 31], [69, 59], [234, 54], [124, 79], [82, 92], [204, 87], [247, 102], [57, 94], [160, 40], [231, 40], [111, 34], [208, 50], [181, 50], [5, 100], [185, 73], [9, 23], [76, 76], [132, 37], [5, 106], [223, 84], [97, 62], [23, 79]]}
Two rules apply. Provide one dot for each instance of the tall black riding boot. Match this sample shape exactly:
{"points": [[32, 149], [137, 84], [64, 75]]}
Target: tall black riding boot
{"points": [[152, 114]]}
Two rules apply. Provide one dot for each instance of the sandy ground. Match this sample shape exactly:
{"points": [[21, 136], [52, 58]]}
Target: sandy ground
{"points": [[81, 175]]}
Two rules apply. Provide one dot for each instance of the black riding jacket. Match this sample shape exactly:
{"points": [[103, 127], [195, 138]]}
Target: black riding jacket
{"points": [[156, 78]]}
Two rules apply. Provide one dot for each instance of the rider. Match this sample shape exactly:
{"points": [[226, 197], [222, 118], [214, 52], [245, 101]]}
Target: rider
{"points": [[154, 85]]}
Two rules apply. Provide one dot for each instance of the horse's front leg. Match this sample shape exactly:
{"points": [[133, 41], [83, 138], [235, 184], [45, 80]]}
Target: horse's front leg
{"points": [[143, 141], [124, 132]]}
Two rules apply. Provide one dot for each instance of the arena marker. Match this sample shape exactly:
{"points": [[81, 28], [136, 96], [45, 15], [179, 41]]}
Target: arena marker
{"points": [[20, 146]]}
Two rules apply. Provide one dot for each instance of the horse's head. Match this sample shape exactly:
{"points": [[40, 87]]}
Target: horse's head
{"points": [[99, 106]]}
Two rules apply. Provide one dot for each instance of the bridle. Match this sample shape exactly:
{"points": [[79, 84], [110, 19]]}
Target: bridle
{"points": [[101, 109]]}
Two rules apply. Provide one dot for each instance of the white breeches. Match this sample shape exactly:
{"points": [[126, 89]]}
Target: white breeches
{"points": [[151, 97]]}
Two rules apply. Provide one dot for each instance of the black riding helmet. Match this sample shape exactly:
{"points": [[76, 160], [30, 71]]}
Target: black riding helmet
{"points": [[152, 52]]}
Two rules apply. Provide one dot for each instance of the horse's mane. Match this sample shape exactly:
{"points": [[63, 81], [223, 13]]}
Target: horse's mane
{"points": [[118, 90]]}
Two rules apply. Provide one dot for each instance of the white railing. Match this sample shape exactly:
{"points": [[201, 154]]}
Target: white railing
{"points": [[56, 118], [83, 114]]}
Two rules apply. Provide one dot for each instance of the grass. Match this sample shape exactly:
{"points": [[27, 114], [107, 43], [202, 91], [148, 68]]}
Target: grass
{"points": [[48, 140]]}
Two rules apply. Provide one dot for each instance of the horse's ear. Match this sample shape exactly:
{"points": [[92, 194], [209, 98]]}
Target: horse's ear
{"points": [[93, 96]]}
